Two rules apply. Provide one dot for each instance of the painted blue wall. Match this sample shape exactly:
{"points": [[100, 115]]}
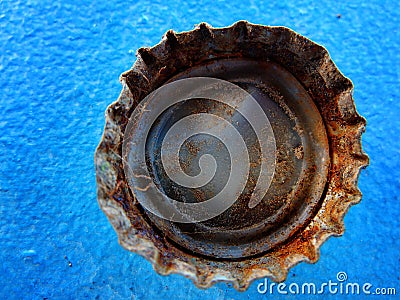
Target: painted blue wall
{"points": [[59, 68]]}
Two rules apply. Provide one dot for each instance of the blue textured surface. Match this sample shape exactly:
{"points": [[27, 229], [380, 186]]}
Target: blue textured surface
{"points": [[59, 68]]}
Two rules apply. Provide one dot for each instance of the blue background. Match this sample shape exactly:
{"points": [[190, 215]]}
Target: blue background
{"points": [[59, 67]]}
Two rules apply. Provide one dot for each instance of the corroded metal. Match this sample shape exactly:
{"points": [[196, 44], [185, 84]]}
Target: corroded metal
{"points": [[318, 155]]}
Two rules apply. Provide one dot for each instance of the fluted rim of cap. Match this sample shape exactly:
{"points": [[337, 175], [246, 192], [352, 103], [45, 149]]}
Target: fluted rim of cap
{"points": [[330, 90]]}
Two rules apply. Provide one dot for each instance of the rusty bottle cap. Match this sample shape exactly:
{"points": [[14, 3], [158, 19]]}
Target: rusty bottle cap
{"points": [[231, 154]]}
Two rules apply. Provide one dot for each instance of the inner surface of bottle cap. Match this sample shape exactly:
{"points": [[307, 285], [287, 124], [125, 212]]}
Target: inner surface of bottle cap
{"points": [[300, 169]]}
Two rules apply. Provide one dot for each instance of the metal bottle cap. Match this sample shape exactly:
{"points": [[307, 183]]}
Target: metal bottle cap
{"points": [[231, 154]]}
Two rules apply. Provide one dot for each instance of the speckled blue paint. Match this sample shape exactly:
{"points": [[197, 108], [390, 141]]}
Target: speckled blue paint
{"points": [[59, 68]]}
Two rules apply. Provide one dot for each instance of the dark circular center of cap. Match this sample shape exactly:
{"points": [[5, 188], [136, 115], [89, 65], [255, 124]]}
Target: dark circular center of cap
{"points": [[300, 170]]}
